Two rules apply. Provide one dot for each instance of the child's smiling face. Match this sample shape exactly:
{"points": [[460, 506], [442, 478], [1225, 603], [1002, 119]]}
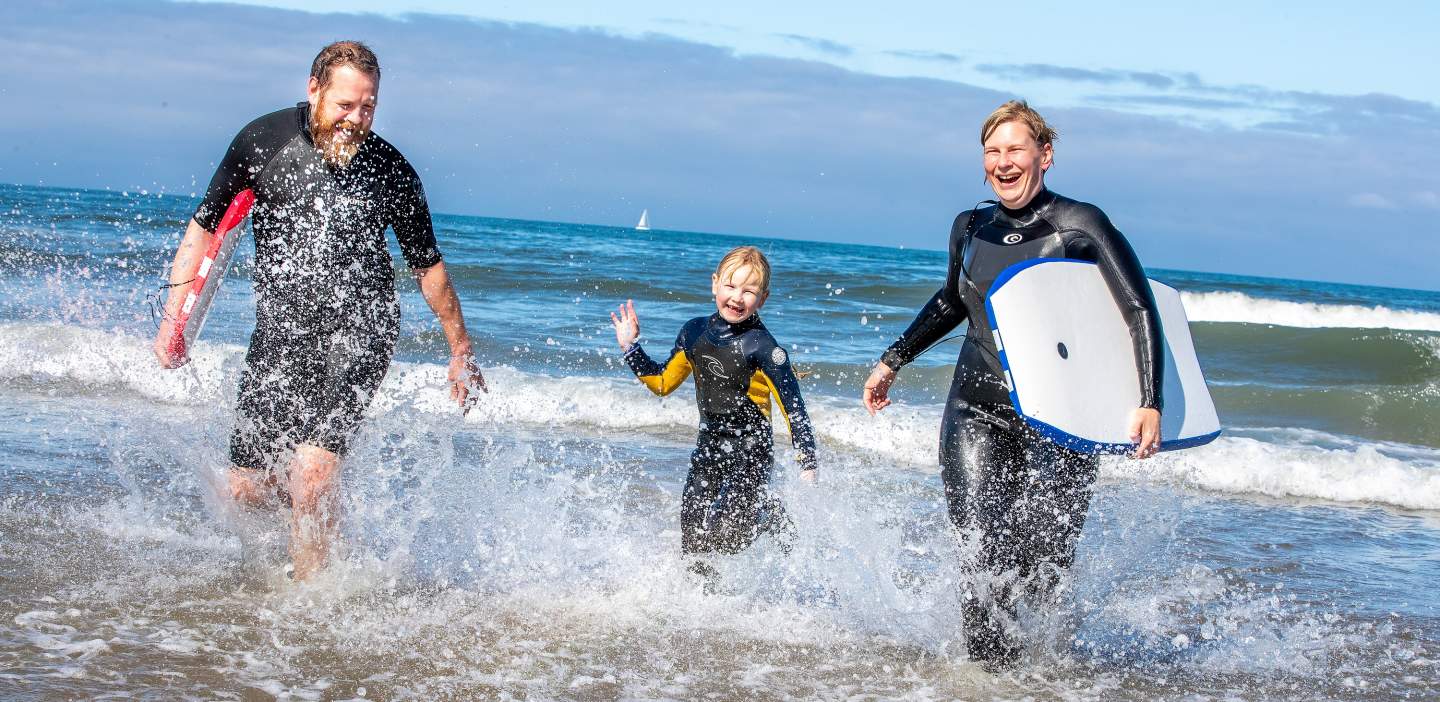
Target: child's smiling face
{"points": [[738, 293]]}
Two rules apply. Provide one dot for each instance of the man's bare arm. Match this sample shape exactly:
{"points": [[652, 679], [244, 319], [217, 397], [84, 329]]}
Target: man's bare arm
{"points": [[182, 273], [440, 294]]}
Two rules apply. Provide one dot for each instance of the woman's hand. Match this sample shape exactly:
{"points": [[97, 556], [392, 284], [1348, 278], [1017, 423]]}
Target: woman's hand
{"points": [[627, 325], [876, 396], [1145, 431]]}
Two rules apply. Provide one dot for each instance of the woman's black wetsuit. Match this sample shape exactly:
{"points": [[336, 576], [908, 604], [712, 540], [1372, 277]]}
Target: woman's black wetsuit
{"points": [[1029, 496], [738, 368]]}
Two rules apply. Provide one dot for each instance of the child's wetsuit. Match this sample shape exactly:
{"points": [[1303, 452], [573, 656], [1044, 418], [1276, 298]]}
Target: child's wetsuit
{"points": [[738, 368]]}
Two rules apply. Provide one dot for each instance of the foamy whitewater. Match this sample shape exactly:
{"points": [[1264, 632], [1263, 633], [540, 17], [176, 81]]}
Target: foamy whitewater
{"points": [[1242, 308], [531, 548]]}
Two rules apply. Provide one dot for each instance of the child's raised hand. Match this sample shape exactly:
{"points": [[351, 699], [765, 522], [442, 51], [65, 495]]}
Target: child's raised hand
{"points": [[627, 325]]}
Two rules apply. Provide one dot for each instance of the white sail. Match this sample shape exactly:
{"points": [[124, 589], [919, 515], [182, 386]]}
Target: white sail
{"points": [[644, 224]]}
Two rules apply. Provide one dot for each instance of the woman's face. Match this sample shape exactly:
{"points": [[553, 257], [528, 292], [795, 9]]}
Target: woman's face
{"points": [[1015, 164]]}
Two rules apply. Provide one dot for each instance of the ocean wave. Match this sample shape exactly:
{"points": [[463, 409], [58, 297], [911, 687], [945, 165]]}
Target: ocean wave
{"points": [[1242, 308], [905, 435], [53, 353], [1361, 473], [59, 353], [1408, 414]]}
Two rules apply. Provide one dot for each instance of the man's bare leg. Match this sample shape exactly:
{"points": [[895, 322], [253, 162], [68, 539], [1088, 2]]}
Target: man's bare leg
{"points": [[314, 494]]}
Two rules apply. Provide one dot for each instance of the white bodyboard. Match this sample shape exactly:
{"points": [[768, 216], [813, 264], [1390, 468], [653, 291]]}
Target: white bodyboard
{"points": [[1070, 364]]}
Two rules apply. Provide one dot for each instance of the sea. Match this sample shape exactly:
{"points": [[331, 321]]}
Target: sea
{"points": [[529, 550]]}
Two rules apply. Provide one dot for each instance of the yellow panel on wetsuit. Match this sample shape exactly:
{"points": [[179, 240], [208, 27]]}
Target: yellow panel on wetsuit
{"points": [[759, 393], [671, 376], [770, 389]]}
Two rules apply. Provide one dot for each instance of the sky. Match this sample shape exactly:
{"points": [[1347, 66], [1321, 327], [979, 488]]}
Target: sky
{"points": [[1245, 138]]}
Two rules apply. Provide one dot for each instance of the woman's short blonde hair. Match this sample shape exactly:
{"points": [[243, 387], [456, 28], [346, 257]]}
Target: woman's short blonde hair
{"points": [[1019, 110], [745, 256]]}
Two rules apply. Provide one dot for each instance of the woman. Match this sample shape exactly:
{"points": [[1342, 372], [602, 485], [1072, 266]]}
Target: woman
{"points": [[1025, 495]]}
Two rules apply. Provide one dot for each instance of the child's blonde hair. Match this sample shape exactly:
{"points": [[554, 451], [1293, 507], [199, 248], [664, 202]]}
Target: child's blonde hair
{"points": [[745, 256]]}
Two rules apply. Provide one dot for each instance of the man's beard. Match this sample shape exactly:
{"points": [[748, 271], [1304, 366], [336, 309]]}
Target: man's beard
{"points": [[335, 147]]}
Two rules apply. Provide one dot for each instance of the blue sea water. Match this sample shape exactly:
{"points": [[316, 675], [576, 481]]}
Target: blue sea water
{"points": [[530, 549]]}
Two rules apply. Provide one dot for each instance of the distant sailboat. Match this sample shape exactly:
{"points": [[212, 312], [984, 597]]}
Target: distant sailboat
{"points": [[644, 225]]}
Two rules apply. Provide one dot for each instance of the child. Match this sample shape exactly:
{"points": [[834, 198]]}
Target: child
{"points": [[738, 366]]}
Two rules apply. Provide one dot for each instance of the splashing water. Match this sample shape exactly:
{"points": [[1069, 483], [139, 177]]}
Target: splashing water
{"points": [[531, 550]]}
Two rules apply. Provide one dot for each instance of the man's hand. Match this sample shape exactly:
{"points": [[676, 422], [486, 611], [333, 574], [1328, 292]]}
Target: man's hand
{"points": [[161, 347], [877, 388], [1145, 431], [808, 475], [464, 377], [627, 325], [439, 293]]}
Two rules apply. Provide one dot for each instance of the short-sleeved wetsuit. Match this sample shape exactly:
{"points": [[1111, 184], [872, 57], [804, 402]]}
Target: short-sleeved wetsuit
{"points": [[326, 316], [1029, 496], [738, 368]]}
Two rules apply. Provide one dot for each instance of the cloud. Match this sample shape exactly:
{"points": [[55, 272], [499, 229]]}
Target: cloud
{"points": [[1355, 113], [1044, 71], [935, 56], [533, 122], [824, 46], [1195, 103], [1278, 110], [1320, 113], [1371, 201]]}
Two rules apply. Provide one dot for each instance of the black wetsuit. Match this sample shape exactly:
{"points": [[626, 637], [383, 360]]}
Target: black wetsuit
{"points": [[738, 368], [326, 317], [1025, 495]]}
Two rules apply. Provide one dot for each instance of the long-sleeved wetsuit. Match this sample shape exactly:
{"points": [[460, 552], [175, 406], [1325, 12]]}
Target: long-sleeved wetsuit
{"points": [[326, 317], [1025, 495], [738, 368]]}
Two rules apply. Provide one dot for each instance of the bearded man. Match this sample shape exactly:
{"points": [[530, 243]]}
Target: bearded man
{"points": [[326, 317]]}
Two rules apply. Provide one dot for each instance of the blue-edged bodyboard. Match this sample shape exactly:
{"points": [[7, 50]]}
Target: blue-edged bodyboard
{"points": [[1069, 361]]}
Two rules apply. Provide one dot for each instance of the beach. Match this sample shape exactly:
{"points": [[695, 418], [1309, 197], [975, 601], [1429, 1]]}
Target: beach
{"points": [[530, 549]]}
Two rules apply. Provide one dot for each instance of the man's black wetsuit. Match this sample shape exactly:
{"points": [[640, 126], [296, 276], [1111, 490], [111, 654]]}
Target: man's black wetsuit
{"points": [[738, 368], [326, 317], [1029, 496]]}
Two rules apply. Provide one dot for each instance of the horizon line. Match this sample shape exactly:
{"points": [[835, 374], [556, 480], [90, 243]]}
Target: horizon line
{"points": [[630, 228]]}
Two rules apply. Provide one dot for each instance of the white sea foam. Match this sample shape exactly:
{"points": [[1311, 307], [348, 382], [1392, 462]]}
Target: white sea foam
{"points": [[1432, 343], [1360, 473], [63, 353], [1279, 465], [1239, 307], [54, 353]]}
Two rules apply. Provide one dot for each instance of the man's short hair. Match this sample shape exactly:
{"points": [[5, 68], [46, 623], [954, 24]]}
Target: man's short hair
{"points": [[344, 53], [745, 256], [1021, 111]]}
